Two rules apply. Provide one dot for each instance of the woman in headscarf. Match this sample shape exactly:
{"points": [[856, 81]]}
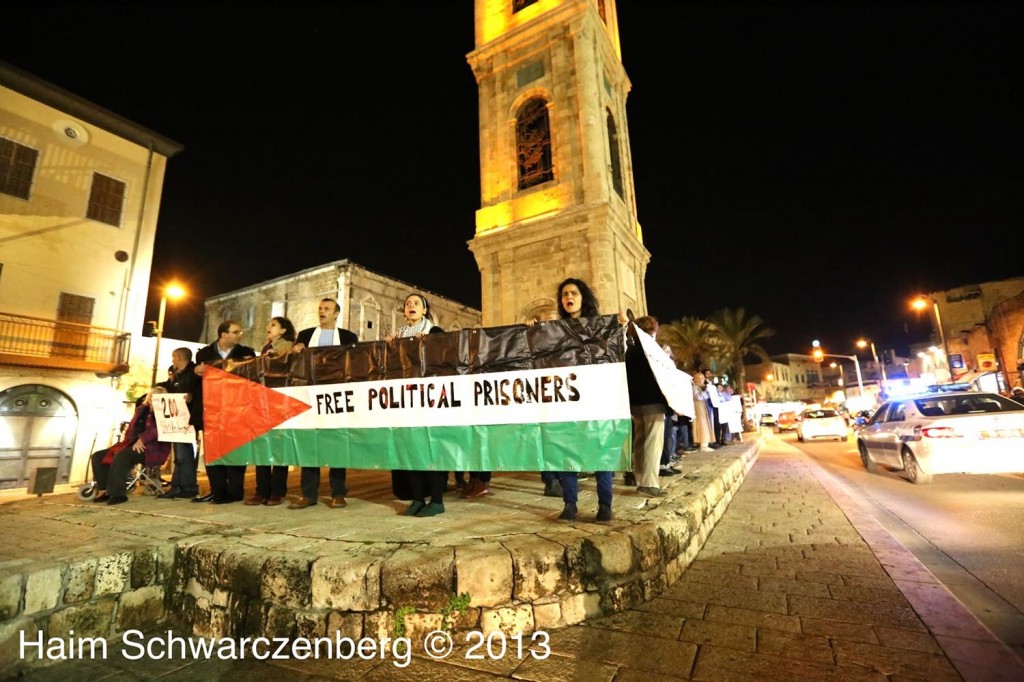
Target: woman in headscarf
{"points": [[421, 483]]}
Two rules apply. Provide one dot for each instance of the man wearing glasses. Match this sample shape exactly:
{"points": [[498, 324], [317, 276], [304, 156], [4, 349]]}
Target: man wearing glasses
{"points": [[227, 482]]}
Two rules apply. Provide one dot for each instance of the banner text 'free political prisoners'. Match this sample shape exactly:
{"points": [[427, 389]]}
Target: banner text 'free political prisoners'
{"points": [[548, 397]]}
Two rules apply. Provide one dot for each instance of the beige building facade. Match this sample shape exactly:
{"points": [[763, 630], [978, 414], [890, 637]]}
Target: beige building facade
{"points": [[983, 326], [80, 191], [371, 303], [556, 182]]}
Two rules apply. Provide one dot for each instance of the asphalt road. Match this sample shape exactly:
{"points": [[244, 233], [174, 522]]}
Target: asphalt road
{"points": [[966, 529]]}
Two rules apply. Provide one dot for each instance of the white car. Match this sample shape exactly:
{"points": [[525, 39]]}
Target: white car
{"points": [[821, 423], [945, 433]]}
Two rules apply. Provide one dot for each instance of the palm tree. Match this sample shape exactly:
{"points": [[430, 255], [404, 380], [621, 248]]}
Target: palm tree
{"points": [[736, 337], [690, 340]]}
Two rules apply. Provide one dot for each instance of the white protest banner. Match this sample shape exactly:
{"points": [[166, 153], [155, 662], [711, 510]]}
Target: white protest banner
{"points": [[675, 384], [172, 417]]}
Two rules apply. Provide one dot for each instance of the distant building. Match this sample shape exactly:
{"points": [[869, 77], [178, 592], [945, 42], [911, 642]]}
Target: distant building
{"points": [[80, 192], [371, 303], [983, 326]]}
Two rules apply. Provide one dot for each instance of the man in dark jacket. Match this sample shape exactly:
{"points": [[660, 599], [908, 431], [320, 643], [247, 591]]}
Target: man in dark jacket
{"points": [[647, 405], [183, 379], [328, 333], [227, 481]]}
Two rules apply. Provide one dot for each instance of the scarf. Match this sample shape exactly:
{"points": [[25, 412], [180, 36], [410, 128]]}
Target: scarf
{"points": [[422, 327]]}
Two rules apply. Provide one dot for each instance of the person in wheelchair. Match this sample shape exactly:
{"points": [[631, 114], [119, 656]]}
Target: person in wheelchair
{"points": [[139, 445]]}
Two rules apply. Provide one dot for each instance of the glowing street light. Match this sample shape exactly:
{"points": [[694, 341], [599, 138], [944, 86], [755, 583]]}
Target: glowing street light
{"points": [[863, 343], [820, 354], [920, 303], [173, 291]]}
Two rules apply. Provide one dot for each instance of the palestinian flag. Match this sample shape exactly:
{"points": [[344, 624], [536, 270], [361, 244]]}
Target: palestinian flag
{"points": [[551, 397]]}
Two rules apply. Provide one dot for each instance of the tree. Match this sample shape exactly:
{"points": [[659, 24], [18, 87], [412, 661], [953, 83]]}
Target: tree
{"points": [[736, 336], [690, 340]]}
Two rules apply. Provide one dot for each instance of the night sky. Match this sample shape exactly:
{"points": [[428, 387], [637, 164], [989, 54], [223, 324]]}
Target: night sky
{"points": [[815, 164]]}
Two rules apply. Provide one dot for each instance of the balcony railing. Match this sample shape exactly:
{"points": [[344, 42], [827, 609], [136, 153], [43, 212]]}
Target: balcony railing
{"points": [[36, 342]]}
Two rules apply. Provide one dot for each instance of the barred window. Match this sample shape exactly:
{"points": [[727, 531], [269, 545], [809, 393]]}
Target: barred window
{"points": [[17, 166], [533, 142], [106, 200]]}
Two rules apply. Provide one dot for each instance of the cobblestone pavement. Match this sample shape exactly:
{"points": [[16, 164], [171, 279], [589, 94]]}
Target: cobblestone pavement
{"points": [[796, 582]]}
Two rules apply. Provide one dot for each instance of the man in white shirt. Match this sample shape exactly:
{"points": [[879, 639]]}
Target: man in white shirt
{"points": [[328, 333]]}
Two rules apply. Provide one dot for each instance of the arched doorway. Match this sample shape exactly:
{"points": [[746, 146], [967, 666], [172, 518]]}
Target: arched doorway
{"points": [[37, 429]]}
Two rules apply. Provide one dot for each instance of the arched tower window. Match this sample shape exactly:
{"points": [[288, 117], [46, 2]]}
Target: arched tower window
{"points": [[616, 162], [533, 144]]}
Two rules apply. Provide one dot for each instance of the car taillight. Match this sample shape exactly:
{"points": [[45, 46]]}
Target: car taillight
{"points": [[937, 432]]}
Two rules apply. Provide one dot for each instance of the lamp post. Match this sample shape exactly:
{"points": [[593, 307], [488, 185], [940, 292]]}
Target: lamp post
{"points": [[861, 343], [920, 303], [818, 354], [174, 292]]}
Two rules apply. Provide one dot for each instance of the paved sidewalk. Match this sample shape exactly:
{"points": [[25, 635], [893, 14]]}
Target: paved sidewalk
{"points": [[796, 582]]}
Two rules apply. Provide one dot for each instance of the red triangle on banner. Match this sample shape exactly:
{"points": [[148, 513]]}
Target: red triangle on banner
{"points": [[237, 411]]}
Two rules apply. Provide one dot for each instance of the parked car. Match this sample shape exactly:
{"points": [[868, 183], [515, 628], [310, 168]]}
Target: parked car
{"points": [[967, 432], [787, 421], [823, 422]]}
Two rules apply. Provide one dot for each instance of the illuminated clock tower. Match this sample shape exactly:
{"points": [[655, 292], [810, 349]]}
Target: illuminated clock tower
{"points": [[556, 182]]}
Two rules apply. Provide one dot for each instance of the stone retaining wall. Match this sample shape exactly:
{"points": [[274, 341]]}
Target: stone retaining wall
{"points": [[245, 582]]}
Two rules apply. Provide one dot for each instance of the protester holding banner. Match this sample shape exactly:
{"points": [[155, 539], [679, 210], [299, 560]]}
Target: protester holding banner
{"points": [[227, 481], [272, 480], [183, 379], [702, 434], [647, 406], [328, 333], [576, 300], [138, 446], [419, 323]]}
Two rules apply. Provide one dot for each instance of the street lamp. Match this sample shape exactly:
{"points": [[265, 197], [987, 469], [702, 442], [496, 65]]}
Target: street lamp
{"points": [[174, 291], [920, 303], [862, 343], [818, 354]]}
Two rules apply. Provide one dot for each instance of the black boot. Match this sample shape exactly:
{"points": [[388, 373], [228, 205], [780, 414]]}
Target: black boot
{"points": [[552, 489], [569, 512], [604, 512]]}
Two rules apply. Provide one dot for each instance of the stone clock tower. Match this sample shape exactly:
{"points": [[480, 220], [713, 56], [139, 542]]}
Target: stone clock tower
{"points": [[556, 181]]}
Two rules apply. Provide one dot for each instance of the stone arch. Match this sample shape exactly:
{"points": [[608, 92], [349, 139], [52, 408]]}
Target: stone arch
{"points": [[539, 309]]}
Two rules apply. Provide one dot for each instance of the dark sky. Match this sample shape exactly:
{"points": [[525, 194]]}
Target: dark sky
{"points": [[815, 164]]}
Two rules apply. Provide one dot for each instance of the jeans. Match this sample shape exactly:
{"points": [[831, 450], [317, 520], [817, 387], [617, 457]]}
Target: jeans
{"points": [[671, 440], [571, 486], [183, 480]]}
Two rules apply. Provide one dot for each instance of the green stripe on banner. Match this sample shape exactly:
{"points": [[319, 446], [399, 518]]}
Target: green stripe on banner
{"points": [[598, 445]]}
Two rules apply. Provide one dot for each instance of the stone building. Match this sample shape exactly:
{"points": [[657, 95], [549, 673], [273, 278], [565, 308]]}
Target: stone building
{"points": [[556, 179], [80, 191], [983, 326], [371, 303]]}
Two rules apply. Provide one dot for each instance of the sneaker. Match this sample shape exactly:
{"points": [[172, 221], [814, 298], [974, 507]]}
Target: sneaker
{"points": [[629, 478], [568, 512], [668, 471], [604, 512], [652, 492]]}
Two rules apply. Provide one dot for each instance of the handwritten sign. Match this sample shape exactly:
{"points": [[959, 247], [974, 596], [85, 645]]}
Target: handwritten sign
{"points": [[172, 417]]}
